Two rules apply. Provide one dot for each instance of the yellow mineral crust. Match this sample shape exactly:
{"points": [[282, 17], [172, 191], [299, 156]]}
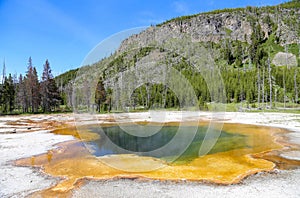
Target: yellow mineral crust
{"points": [[72, 162]]}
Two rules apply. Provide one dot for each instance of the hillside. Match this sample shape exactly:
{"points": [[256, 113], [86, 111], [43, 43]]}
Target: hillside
{"points": [[227, 56]]}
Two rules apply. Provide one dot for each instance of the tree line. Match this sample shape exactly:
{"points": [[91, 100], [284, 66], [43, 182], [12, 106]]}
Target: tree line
{"points": [[247, 72], [28, 94]]}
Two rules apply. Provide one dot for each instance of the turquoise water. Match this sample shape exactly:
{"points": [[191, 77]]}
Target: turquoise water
{"points": [[117, 140]]}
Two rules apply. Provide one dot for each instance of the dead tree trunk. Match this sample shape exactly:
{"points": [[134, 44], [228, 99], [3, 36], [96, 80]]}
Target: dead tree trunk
{"points": [[284, 88], [270, 81], [258, 87], [263, 87], [295, 85]]}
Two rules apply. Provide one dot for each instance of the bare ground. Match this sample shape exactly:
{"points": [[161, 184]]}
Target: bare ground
{"points": [[25, 136]]}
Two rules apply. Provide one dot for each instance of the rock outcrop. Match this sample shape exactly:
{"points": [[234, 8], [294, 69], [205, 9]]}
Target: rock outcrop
{"points": [[234, 25], [284, 59]]}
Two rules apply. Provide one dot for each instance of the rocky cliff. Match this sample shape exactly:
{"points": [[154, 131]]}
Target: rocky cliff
{"points": [[235, 24]]}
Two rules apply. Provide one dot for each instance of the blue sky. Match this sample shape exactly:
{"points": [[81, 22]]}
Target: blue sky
{"points": [[65, 31]]}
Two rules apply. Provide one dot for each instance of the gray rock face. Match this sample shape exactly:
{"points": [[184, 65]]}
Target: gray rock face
{"points": [[216, 27], [282, 59]]}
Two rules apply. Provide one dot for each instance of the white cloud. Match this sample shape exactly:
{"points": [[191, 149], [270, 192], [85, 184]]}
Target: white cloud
{"points": [[181, 7], [147, 14], [211, 2], [53, 14], [149, 18], [151, 21]]}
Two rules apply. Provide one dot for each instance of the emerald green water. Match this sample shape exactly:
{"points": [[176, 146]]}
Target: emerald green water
{"points": [[115, 140]]}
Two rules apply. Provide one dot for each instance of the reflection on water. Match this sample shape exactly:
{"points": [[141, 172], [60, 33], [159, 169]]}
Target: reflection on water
{"points": [[115, 140]]}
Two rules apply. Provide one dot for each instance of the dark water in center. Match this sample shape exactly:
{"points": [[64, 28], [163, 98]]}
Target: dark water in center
{"points": [[115, 140]]}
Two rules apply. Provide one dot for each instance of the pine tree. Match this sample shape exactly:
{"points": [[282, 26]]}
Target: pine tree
{"points": [[32, 87], [49, 90], [5, 95], [21, 95], [8, 95], [11, 93], [100, 95], [36, 97]]}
